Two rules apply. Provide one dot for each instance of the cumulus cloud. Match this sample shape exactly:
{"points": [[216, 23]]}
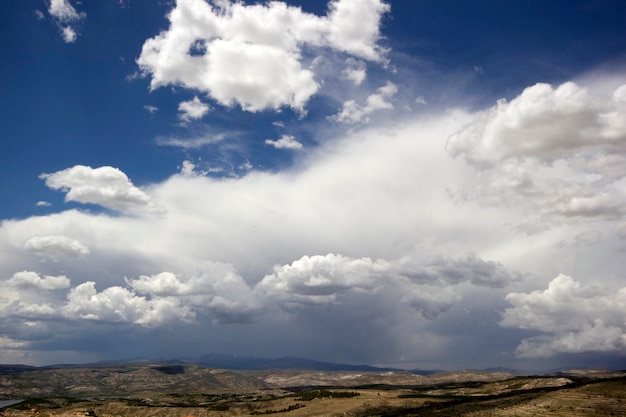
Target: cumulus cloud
{"points": [[544, 123], [321, 279], [66, 17], [106, 186], [557, 151], [29, 279], [56, 246], [285, 142], [192, 109], [116, 304], [574, 318], [218, 291], [251, 55], [335, 279], [352, 112], [151, 109]]}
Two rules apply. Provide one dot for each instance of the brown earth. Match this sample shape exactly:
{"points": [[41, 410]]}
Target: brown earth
{"points": [[199, 392]]}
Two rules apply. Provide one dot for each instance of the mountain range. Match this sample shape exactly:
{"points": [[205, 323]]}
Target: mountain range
{"points": [[235, 363]]}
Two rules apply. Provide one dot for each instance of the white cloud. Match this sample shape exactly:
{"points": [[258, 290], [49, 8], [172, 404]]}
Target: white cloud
{"points": [[218, 291], [105, 186], [63, 11], [194, 142], [385, 203], [151, 109], [353, 27], [355, 71], [56, 246], [556, 151], [29, 279], [333, 278], [188, 169], [285, 142], [251, 55], [543, 123], [43, 204], [69, 34], [352, 112], [66, 17], [192, 109], [117, 304], [575, 318], [420, 100]]}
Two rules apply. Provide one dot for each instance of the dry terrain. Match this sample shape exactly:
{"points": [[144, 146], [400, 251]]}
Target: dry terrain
{"points": [[154, 391]]}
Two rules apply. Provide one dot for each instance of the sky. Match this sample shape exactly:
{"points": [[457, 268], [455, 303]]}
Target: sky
{"points": [[417, 184]]}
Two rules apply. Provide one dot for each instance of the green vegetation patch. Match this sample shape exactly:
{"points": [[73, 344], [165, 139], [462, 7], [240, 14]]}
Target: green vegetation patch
{"points": [[445, 396], [45, 403], [311, 395], [284, 410]]}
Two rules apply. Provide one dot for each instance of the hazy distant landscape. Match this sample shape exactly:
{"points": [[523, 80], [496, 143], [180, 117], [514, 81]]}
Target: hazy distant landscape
{"points": [[175, 388]]}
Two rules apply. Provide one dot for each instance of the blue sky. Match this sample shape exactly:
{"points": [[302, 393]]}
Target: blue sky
{"points": [[306, 178]]}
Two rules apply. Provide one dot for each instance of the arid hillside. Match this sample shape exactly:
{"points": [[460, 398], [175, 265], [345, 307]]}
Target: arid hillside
{"points": [[156, 390]]}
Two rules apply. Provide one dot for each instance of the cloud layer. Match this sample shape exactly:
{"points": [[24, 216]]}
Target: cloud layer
{"points": [[434, 230], [378, 234]]}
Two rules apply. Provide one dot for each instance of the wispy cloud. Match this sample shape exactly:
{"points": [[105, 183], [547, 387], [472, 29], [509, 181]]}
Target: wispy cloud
{"points": [[67, 18], [194, 142], [352, 112]]}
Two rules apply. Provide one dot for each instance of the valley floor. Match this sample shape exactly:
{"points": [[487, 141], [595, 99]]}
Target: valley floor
{"points": [[522, 396]]}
